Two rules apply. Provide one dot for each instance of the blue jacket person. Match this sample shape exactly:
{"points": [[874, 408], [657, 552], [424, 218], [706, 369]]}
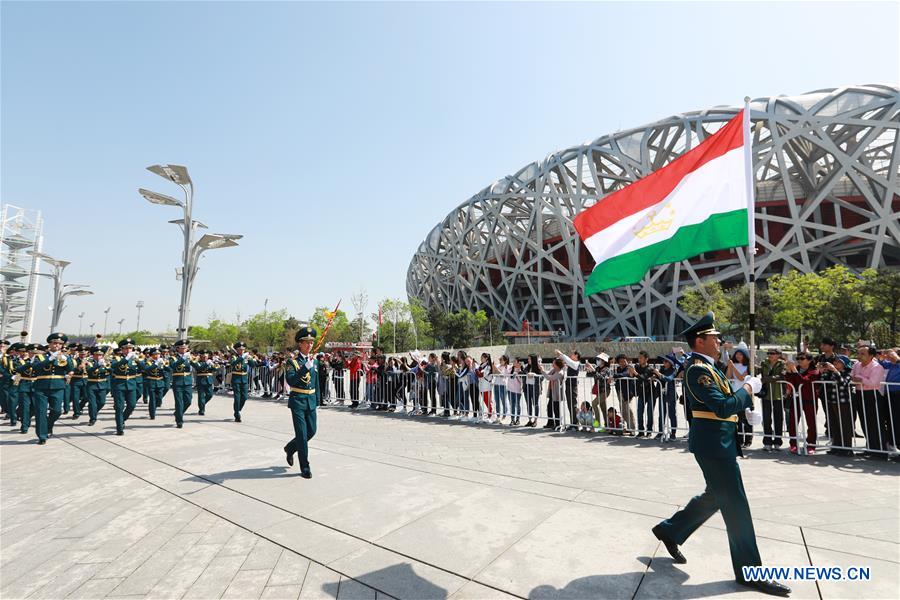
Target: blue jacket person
{"points": [[302, 374], [715, 411]]}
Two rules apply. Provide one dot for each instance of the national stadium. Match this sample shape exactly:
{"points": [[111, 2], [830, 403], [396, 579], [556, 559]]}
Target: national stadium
{"points": [[827, 174]]}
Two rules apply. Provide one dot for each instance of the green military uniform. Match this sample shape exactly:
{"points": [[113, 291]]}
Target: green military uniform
{"points": [[98, 374], [154, 381], [182, 382], [240, 378], [204, 371], [302, 375], [25, 395], [50, 387], [715, 411], [124, 384], [6, 374], [78, 385], [67, 399], [13, 361], [167, 372], [139, 378]]}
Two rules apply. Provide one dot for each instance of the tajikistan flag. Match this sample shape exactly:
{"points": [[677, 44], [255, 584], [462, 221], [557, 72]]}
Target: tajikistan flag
{"points": [[701, 201]]}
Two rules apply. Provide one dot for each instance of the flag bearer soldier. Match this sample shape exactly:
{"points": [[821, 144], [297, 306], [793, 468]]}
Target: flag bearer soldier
{"points": [[205, 373], [27, 376], [78, 383], [154, 380], [166, 354], [53, 372], [302, 375], [124, 386], [182, 380], [715, 410], [98, 377], [5, 375], [240, 371]]}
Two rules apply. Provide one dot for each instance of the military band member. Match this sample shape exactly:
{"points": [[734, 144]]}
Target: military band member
{"points": [[182, 380], [166, 354], [302, 375], [78, 383], [5, 375], [205, 371], [53, 372], [139, 360], [240, 377], [124, 387], [14, 359], [154, 380], [98, 376], [715, 410], [27, 376]]}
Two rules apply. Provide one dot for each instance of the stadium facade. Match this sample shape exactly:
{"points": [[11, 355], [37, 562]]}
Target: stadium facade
{"points": [[827, 174]]}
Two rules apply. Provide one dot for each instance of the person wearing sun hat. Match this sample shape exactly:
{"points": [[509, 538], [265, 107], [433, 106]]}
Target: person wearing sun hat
{"points": [[53, 373], [302, 375]]}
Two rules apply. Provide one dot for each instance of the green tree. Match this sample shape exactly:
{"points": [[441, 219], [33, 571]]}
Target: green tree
{"points": [[738, 312], [217, 334], [697, 301], [340, 327], [883, 290], [265, 329]]}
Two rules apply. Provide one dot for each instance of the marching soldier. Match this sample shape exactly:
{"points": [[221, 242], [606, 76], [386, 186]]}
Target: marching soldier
{"points": [[205, 372], [78, 384], [98, 374], [14, 359], [5, 375], [240, 383], [27, 376], [302, 376], [715, 411], [154, 381], [124, 387], [182, 380], [71, 351], [166, 354], [140, 360], [54, 370]]}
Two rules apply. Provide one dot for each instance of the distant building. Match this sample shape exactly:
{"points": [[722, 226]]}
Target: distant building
{"points": [[827, 176], [20, 232]]}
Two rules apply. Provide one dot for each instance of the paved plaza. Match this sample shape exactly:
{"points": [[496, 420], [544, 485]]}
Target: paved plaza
{"points": [[409, 508]]}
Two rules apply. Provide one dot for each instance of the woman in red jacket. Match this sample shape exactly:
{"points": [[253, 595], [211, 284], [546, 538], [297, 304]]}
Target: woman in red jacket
{"points": [[801, 375]]}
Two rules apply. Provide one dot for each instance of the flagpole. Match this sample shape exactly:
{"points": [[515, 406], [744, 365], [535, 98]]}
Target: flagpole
{"points": [[751, 234]]}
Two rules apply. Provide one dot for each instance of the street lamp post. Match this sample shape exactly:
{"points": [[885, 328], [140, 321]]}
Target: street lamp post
{"points": [[92, 329], [60, 291], [106, 319], [139, 306], [178, 175], [122, 320], [80, 321]]}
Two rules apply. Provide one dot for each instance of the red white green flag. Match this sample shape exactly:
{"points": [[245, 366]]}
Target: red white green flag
{"points": [[701, 201]]}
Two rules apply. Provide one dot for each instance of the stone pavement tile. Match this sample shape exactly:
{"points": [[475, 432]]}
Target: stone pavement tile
{"points": [[386, 507], [29, 572], [238, 508], [852, 544], [763, 528], [884, 582], [290, 569], [143, 578], [95, 588], [264, 555], [281, 592], [350, 589], [145, 549], [241, 543], [463, 537], [201, 523], [247, 584], [708, 571], [215, 578], [476, 591], [661, 510], [585, 551], [887, 530], [397, 575], [321, 583], [315, 541], [219, 533], [186, 572], [68, 581], [119, 536]]}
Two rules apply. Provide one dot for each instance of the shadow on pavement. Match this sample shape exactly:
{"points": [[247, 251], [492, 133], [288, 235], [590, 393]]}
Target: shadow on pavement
{"points": [[397, 579], [258, 473]]}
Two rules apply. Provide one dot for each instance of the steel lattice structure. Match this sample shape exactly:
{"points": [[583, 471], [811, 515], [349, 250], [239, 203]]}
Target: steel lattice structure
{"points": [[827, 173]]}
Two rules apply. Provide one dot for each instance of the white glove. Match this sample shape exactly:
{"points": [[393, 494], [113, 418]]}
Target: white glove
{"points": [[245, 355], [53, 355], [102, 362], [310, 363], [753, 417], [187, 355], [16, 378], [160, 362], [130, 355], [754, 382]]}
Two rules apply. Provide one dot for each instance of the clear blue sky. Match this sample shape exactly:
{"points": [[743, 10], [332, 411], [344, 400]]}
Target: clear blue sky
{"points": [[335, 136]]}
